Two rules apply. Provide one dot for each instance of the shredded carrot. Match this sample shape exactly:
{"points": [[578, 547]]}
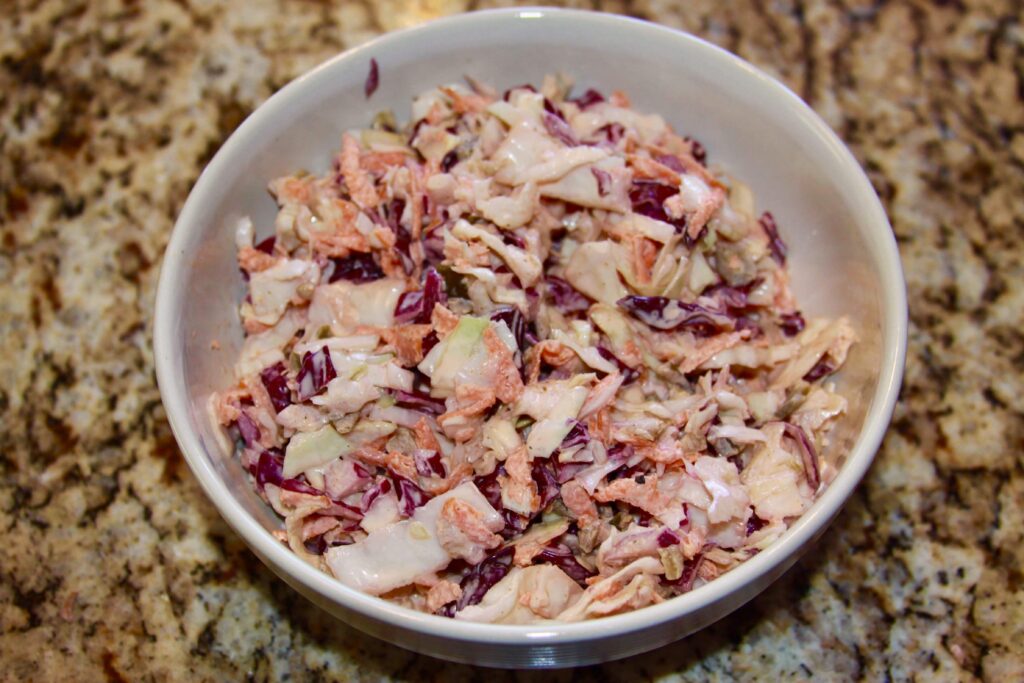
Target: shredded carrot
{"points": [[358, 181], [378, 163]]}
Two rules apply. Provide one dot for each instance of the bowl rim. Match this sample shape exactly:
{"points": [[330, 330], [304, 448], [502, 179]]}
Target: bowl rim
{"points": [[881, 245]]}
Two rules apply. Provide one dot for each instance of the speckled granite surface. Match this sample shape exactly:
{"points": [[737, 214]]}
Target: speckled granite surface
{"points": [[114, 567]]}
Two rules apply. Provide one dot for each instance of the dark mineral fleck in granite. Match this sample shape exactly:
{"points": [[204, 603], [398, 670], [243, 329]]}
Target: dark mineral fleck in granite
{"points": [[114, 567]]}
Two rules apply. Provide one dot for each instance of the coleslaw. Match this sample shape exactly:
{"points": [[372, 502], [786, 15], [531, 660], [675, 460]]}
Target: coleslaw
{"points": [[527, 358]]}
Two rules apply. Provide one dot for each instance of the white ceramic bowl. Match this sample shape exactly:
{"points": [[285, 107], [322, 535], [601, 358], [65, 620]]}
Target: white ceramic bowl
{"points": [[842, 254]]}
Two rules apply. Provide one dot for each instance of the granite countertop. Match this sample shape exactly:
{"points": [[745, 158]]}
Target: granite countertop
{"points": [[114, 565]]}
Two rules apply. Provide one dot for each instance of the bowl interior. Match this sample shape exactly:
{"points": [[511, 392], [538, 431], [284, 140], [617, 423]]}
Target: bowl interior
{"points": [[842, 257]]}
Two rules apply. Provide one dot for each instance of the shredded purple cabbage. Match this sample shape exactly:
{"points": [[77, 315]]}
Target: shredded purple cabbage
{"points": [[807, 454], [628, 374], [490, 487], [697, 151], [691, 568], [821, 369], [755, 523], [667, 538], [372, 79], [267, 245], [356, 268], [525, 86], [433, 247], [775, 243], [610, 133], [418, 400], [513, 239], [559, 129], [604, 180], [275, 380], [417, 306], [410, 496], [449, 160], [429, 464], [247, 428], [579, 435], [415, 131], [588, 99], [513, 317], [671, 161], [393, 217], [551, 108], [734, 300], [338, 508], [316, 371], [687, 240], [515, 524], [547, 483], [635, 472], [270, 470], [480, 579], [620, 454], [564, 471], [746, 323], [648, 199], [561, 556], [651, 310], [373, 493], [792, 323], [567, 298], [316, 545]]}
